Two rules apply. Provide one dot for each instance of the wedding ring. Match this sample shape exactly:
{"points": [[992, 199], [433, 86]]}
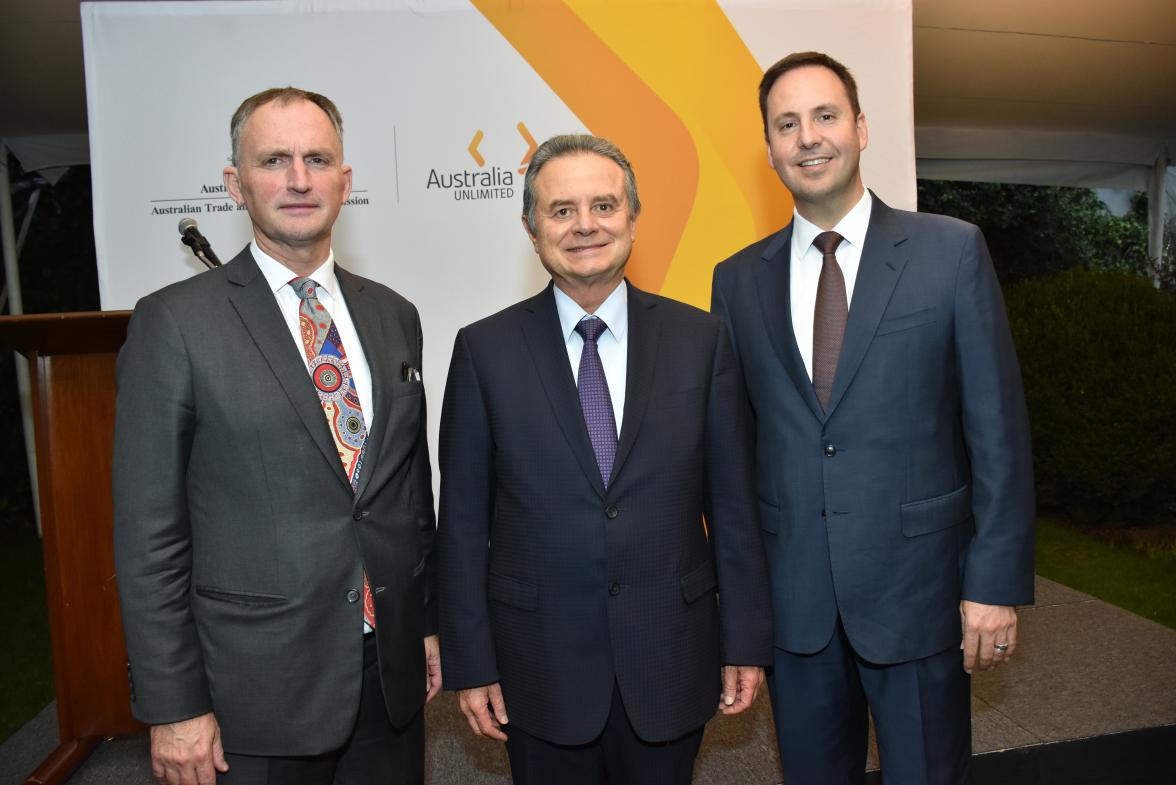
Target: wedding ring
{"points": [[1001, 647]]}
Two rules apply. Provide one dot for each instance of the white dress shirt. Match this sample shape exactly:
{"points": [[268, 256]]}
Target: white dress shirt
{"points": [[805, 270], [278, 276], [613, 343]]}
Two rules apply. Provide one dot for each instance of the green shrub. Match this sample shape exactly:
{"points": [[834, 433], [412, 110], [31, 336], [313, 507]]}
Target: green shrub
{"points": [[1037, 230], [1098, 355]]}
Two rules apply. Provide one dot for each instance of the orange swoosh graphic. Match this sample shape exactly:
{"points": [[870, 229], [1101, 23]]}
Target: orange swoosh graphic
{"points": [[614, 102], [702, 69]]}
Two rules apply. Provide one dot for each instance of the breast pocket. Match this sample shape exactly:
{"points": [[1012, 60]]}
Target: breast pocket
{"points": [[407, 388], [907, 321]]}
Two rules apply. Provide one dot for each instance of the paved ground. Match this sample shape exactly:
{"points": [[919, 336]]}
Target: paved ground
{"points": [[1083, 669]]}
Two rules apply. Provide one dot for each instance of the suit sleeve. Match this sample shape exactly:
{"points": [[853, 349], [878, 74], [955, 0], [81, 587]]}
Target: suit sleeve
{"points": [[732, 516], [154, 421], [999, 568], [422, 493], [464, 531]]}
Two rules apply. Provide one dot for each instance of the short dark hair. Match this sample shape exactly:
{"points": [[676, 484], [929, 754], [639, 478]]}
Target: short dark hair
{"points": [[282, 95], [803, 60], [573, 144]]}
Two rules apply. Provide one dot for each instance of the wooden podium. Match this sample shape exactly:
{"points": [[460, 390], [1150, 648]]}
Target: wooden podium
{"points": [[71, 363]]}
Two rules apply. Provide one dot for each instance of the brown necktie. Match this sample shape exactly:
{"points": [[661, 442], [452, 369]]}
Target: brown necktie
{"points": [[829, 316]]}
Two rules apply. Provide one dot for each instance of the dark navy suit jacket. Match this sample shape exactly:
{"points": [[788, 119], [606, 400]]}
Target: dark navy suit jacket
{"points": [[915, 488], [559, 588]]}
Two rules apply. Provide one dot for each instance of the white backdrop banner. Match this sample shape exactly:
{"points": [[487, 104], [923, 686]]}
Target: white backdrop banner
{"points": [[442, 104]]}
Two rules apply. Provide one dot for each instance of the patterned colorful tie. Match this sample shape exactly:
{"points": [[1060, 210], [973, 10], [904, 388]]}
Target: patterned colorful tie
{"points": [[829, 317], [594, 397], [331, 374]]}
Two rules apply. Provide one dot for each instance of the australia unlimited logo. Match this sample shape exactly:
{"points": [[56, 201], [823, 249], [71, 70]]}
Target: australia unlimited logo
{"points": [[485, 182]]}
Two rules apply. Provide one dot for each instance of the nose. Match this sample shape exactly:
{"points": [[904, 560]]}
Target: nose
{"points": [[298, 176], [809, 135], [585, 222]]}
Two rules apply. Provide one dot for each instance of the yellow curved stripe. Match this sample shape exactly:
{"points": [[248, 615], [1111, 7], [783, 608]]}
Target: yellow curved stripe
{"points": [[613, 102], [692, 57]]}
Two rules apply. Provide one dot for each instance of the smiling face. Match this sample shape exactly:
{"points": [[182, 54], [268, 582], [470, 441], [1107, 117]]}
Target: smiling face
{"points": [[291, 178], [815, 142], [584, 227]]}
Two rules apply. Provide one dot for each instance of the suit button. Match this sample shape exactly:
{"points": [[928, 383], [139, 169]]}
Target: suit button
{"points": [[822, 513], [358, 515], [352, 596], [614, 589], [830, 450], [611, 512]]}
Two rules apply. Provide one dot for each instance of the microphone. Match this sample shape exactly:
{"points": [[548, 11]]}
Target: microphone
{"points": [[191, 237]]}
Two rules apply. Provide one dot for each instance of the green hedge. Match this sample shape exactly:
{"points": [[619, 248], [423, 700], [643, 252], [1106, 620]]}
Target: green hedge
{"points": [[1098, 355]]}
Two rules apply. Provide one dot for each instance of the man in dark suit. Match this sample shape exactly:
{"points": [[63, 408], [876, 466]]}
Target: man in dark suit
{"points": [[894, 472], [585, 434], [273, 510]]}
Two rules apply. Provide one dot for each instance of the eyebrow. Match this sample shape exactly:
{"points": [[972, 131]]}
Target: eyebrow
{"points": [[818, 108], [286, 152], [612, 198]]}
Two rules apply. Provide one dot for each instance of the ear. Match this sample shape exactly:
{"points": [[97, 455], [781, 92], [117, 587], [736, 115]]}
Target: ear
{"points": [[771, 160], [346, 181], [862, 131], [233, 184], [530, 235]]}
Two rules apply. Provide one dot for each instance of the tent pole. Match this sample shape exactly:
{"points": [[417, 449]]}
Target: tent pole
{"points": [[16, 307], [1155, 215]]}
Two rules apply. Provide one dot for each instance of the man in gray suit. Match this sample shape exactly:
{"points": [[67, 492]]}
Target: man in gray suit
{"points": [[893, 462], [273, 509]]}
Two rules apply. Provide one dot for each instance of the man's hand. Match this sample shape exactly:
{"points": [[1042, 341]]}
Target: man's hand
{"points": [[432, 667], [990, 634], [187, 752], [485, 710], [740, 683]]}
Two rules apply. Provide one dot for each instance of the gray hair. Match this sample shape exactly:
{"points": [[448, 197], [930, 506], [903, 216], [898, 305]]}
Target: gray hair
{"points": [[574, 144], [283, 96]]}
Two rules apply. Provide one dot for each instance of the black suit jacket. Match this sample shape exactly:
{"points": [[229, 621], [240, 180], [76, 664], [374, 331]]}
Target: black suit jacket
{"points": [[555, 586], [239, 545]]}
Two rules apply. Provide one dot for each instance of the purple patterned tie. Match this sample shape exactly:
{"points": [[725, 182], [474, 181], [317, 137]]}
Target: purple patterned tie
{"points": [[594, 397], [829, 316], [331, 374]]}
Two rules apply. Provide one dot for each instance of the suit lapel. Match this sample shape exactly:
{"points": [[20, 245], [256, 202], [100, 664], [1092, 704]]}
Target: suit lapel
{"points": [[382, 343], [255, 305], [775, 296], [883, 259], [544, 339], [644, 333]]}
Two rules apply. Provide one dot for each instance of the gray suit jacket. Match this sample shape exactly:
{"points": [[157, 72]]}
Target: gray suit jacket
{"points": [[239, 545], [915, 487]]}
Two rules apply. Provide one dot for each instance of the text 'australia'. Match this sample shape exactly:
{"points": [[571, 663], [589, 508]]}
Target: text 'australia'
{"points": [[493, 183]]}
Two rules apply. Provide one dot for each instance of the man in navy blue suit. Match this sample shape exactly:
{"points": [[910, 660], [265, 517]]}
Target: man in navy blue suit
{"points": [[589, 617], [893, 463]]}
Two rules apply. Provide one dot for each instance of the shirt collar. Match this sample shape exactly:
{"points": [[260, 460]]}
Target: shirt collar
{"points": [[278, 275], [852, 226], [614, 311]]}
